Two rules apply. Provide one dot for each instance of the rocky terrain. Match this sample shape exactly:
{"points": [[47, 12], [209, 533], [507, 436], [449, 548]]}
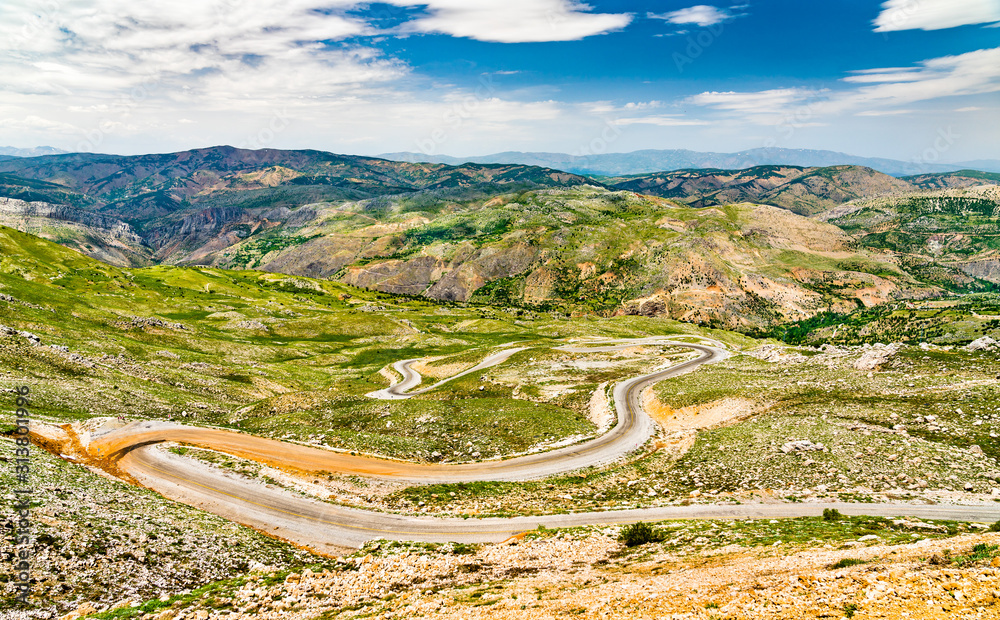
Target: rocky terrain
{"points": [[104, 238], [801, 190], [952, 228], [591, 249], [591, 574], [91, 530], [292, 357]]}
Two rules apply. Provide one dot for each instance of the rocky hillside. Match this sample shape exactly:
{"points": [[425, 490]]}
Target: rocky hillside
{"points": [[585, 249], [177, 200], [668, 244], [106, 238], [767, 571], [802, 190], [961, 178], [156, 185], [957, 230]]}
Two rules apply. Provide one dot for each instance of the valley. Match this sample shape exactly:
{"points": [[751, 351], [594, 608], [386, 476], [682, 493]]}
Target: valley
{"points": [[720, 248], [294, 359], [481, 352], [499, 310]]}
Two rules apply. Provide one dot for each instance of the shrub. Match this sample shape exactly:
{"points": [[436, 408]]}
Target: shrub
{"points": [[846, 562], [463, 548], [639, 534], [832, 514], [980, 551], [995, 527]]}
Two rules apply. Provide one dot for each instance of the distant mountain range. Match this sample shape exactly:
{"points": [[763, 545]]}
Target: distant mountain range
{"points": [[651, 160], [37, 151]]}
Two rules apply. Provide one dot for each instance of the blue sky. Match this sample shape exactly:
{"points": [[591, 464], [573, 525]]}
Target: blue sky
{"points": [[909, 79]]}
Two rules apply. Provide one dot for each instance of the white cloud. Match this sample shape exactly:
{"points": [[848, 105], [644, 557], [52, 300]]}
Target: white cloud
{"points": [[114, 48], [971, 108], [699, 15], [971, 73], [871, 92], [891, 74], [884, 112], [935, 14], [115, 75], [661, 121], [33, 122], [760, 103], [643, 105], [512, 21]]}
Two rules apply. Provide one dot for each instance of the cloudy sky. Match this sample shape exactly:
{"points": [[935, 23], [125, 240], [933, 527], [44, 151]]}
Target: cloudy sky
{"points": [[907, 79]]}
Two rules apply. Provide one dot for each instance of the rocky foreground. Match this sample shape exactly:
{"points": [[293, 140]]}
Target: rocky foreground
{"points": [[592, 575]]}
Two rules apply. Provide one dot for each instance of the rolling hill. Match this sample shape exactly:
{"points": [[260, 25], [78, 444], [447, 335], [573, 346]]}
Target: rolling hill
{"points": [[802, 190], [958, 229], [720, 247], [177, 202]]}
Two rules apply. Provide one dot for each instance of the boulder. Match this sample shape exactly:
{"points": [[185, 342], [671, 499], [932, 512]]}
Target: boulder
{"points": [[877, 356], [983, 344]]}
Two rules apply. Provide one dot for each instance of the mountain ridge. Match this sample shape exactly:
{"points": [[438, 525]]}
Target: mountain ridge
{"points": [[37, 151], [648, 161], [726, 247]]}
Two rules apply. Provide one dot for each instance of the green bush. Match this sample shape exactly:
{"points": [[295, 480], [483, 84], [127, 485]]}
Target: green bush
{"points": [[845, 563], [463, 548], [832, 514], [981, 551], [639, 534], [995, 527]]}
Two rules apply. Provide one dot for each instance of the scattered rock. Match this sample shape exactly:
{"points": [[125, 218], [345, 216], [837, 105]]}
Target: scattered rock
{"points": [[878, 355], [145, 321], [776, 354], [83, 610], [983, 344], [802, 445]]}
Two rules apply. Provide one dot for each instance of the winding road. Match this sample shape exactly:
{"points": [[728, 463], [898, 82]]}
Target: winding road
{"points": [[632, 430], [327, 528], [411, 378]]}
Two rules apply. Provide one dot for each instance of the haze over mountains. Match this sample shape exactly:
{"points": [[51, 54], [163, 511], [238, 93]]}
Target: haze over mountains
{"points": [[655, 160], [37, 151]]}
